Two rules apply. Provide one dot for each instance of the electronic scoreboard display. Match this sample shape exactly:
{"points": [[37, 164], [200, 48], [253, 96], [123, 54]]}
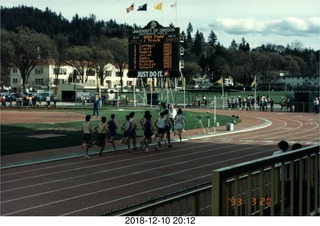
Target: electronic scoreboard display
{"points": [[154, 52]]}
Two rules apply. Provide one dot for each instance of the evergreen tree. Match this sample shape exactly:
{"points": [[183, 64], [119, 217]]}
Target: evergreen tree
{"points": [[212, 39], [198, 44]]}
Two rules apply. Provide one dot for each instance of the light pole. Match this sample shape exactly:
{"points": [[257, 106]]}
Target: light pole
{"points": [[282, 75], [269, 94]]}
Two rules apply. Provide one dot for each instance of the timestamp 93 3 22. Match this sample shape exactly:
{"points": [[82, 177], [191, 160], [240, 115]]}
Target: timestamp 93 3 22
{"points": [[141, 220]]}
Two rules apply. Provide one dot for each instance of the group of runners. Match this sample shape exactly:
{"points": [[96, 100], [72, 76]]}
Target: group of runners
{"points": [[169, 121]]}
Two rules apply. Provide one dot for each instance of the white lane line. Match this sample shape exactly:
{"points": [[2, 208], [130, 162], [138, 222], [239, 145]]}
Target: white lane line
{"points": [[130, 184]]}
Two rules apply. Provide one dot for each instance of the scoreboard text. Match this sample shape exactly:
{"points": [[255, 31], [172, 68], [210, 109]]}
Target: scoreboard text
{"points": [[154, 53]]}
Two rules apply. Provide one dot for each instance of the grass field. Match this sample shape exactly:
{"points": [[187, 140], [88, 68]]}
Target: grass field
{"points": [[36, 137]]}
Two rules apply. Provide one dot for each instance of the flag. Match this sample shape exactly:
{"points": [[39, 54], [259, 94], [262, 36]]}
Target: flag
{"points": [[220, 81], [158, 6], [254, 82], [142, 7], [173, 5], [130, 8]]}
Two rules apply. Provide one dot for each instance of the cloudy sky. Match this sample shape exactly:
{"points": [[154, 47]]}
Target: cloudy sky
{"points": [[260, 22]]}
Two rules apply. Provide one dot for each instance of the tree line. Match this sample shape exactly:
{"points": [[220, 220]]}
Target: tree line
{"points": [[29, 36]]}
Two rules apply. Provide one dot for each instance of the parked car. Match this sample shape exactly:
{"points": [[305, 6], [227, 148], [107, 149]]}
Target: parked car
{"points": [[42, 96], [13, 96]]}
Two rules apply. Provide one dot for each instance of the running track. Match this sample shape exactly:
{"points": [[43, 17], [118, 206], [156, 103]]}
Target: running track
{"points": [[78, 187]]}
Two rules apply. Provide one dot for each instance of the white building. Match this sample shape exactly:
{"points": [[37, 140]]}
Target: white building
{"points": [[294, 80], [43, 77], [291, 82]]}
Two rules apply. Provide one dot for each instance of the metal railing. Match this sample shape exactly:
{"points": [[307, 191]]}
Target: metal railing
{"points": [[277, 185], [287, 184], [192, 201]]}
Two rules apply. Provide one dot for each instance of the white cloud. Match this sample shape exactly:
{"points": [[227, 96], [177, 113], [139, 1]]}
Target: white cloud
{"points": [[290, 26]]}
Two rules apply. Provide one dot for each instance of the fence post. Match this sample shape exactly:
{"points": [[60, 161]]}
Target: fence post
{"points": [[216, 200], [195, 205], [316, 181]]}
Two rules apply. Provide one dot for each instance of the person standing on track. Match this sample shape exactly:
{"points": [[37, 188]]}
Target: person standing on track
{"points": [[87, 135], [112, 127]]}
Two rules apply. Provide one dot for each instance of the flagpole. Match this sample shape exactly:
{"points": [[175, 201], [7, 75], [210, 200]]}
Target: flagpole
{"points": [[134, 92], [162, 14], [151, 94], [214, 114], [255, 92], [222, 93], [134, 15], [176, 13], [184, 92]]}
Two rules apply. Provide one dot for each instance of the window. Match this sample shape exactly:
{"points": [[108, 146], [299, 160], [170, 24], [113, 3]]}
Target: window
{"points": [[15, 81], [90, 72], [14, 70], [108, 73], [39, 81], [60, 81], [62, 71], [38, 70]]}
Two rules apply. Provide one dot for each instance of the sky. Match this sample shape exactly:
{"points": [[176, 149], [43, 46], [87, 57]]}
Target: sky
{"points": [[279, 22]]}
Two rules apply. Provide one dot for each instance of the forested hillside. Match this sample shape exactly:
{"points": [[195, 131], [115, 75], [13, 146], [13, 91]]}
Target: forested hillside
{"points": [[95, 40], [80, 30]]}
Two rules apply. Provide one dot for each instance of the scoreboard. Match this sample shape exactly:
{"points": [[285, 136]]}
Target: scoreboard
{"points": [[154, 53]]}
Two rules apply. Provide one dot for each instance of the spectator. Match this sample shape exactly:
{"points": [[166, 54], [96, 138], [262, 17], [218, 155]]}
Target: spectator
{"points": [[83, 99], [96, 105], [283, 147], [30, 101], [316, 106], [271, 104], [48, 100], [54, 101], [296, 146]]}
